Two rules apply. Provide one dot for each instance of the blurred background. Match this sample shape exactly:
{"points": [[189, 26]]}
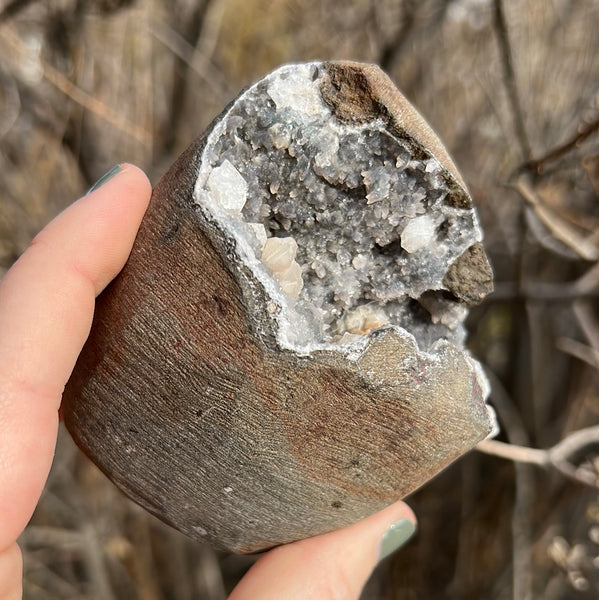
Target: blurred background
{"points": [[512, 88]]}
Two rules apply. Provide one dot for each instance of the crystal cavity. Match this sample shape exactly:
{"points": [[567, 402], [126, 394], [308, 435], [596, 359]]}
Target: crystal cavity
{"points": [[349, 220]]}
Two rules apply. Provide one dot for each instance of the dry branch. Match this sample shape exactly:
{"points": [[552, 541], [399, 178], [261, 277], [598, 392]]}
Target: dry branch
{"points": [[509, 77], [579, 350], [75, 93], [537, 165], [559, 228], [558, 456], [197, 61]]}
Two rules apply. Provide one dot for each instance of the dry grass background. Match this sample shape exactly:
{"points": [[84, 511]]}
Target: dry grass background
{"points": [[88, 83]]}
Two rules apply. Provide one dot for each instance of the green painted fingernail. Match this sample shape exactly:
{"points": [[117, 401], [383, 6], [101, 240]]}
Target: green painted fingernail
{"points": [[396, 536], [106, 177]]}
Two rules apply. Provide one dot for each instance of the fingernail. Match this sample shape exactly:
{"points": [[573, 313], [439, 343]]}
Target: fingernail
{"points": [[106, 177], [396, 536]]}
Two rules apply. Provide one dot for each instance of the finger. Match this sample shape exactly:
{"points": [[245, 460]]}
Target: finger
{"points": [[11, 567], [46, 308], [331, 566]]}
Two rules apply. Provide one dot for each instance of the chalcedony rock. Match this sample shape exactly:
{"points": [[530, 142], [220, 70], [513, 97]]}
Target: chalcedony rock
{"points": [[283, 354]]}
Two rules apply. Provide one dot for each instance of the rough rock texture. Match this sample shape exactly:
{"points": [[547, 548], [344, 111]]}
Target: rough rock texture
{"points": [[243, 393]]}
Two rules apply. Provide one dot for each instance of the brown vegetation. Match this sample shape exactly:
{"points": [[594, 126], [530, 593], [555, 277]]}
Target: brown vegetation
{"points": [[513, 90]]}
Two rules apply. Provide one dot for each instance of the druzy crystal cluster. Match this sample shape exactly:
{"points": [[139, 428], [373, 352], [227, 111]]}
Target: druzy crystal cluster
{"points": [[349, 221]]}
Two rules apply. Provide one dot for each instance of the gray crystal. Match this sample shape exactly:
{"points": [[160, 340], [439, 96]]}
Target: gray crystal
{"points": [[374, 236]]}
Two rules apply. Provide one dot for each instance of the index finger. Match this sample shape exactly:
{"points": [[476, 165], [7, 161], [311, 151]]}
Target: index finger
{"points": [[46, 310]]}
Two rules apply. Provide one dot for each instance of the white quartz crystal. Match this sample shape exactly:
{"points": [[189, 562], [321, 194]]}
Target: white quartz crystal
{"points": [[417, 234], [378, 184], [327, 143], [228, 187], [260, 233], [279, 253], [359, 261], [432, 165], [364, 319], [280, 136], [290, 280], [295, 89]]}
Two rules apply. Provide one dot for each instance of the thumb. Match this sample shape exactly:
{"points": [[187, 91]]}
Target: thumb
{"points": [[333, 566]]}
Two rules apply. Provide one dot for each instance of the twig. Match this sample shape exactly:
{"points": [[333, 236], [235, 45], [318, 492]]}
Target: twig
{"points": [[210, 578], [37, 571], [392, 48], [143, 560], [186, 31], [512, 452], [558, 456], [585, 316], [13, 8], [540, 290], [586, 286], [574, 443], [210, 28], [68, 88], [578, 350], [522, 533], [506, 410], [537, 165], [95, 563], [559, 228], [12, 104], [589, 280], [188, 54], [53, 537], [525, 488], [509, 76]]}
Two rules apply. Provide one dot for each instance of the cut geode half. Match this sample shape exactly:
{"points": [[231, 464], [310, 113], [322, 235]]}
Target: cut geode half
{"points": [[283, 354]]}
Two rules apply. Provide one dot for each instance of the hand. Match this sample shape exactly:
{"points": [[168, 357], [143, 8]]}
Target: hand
{"points": [[46, 308]]}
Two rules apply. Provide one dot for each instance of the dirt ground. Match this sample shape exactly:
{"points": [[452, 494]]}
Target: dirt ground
{"points": [[512, 88]]}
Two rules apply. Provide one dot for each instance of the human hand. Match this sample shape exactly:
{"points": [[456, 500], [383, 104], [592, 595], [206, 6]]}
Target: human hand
{"points": [[46, 309]]}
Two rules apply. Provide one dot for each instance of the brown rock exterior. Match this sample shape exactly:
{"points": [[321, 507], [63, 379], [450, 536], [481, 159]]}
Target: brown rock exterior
{"points": [[184, 398]]}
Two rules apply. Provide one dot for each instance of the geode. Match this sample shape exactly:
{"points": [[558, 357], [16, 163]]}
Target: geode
{"points": [[283, 354]]}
